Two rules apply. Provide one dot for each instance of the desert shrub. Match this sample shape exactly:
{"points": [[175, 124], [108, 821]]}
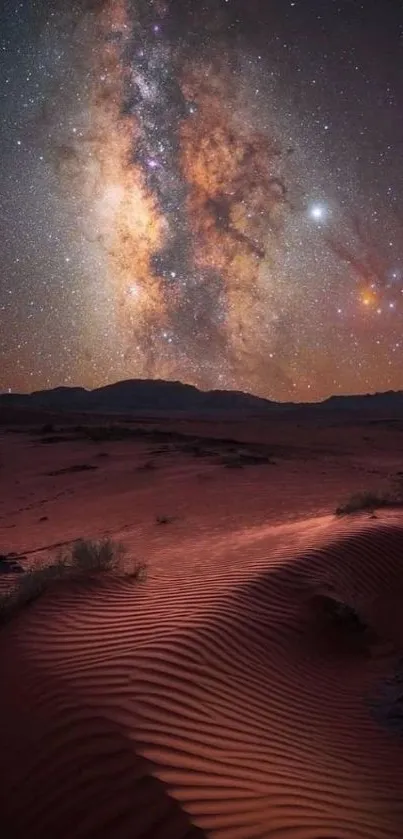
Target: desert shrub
{"points": [[368, 500], [138, 573], [31, 585], [77, 467], [372, 500], [165, 519], [242, 457], [87, 555], [339, 614], [85, 558], [111, 433]]}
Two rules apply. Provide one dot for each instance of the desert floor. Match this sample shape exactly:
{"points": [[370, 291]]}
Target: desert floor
{"points": [[214, 699], [126, 485]]}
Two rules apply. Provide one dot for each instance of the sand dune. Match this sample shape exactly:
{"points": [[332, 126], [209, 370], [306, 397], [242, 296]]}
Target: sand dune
{"points": [[229, 702], [250, 687]]}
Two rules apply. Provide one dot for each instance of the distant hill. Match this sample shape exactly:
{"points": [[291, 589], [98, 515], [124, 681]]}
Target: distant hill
{"points": [[141, 396], [138, 395], [391, 399]]}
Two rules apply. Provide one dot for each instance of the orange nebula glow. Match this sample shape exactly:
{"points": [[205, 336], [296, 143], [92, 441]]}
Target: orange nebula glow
{"points": [[369, 297], [234, 209], [236, 199], [131, 226]]}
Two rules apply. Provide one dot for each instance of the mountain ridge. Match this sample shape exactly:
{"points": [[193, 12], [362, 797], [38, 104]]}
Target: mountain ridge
{"points": [[138, 395]]}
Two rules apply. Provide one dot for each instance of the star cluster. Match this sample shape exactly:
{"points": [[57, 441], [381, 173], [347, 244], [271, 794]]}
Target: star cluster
{"points": [[204, 191]]}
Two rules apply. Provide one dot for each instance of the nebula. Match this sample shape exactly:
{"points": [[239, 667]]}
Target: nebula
{"points": [[235, 203], [130, 223], [365, 258], [187, 197]]}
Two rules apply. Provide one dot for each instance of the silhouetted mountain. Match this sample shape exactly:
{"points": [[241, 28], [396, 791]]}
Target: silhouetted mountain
{"points": [[137, 395], [368, 401], [151, 396]]}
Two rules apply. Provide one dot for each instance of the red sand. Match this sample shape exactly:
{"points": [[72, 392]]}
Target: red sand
{"points": [[214, 699]]}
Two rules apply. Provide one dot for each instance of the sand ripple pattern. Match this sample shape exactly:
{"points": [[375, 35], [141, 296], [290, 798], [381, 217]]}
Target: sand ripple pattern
{"points": [[223, 705]]}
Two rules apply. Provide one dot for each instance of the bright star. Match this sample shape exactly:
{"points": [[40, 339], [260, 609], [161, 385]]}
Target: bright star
{"points": [[317, 212]]}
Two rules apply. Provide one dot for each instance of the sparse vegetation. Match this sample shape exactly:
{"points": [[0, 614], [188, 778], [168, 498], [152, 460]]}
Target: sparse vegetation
{"points": [[165, 519], [78, 467], [338, 614], [89, 556], [241, 457], [85, 559], [31, 585], [374, 500], [341, 614], [9, 564], [340, 627], [361, 501], [139, 573], [55, 438], [225, 451]]}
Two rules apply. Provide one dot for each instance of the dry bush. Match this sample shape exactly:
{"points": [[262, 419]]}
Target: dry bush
{"points": [[165, 519], [89, 556], [368, 500], [31, 585], [85, 559], [371, 500]]}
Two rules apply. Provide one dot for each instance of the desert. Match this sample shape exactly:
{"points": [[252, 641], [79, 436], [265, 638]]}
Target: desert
{"points": [[248, 682], [201, 419]]}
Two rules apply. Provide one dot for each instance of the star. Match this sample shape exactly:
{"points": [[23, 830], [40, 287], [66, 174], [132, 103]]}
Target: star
{"points": [[317, 212], [227, 196]]}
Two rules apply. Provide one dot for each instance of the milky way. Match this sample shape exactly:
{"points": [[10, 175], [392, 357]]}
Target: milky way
{"points": [[188, 197], [209, 234]]}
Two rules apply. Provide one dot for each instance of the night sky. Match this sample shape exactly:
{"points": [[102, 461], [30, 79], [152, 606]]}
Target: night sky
{"points": [[202, 190]]}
